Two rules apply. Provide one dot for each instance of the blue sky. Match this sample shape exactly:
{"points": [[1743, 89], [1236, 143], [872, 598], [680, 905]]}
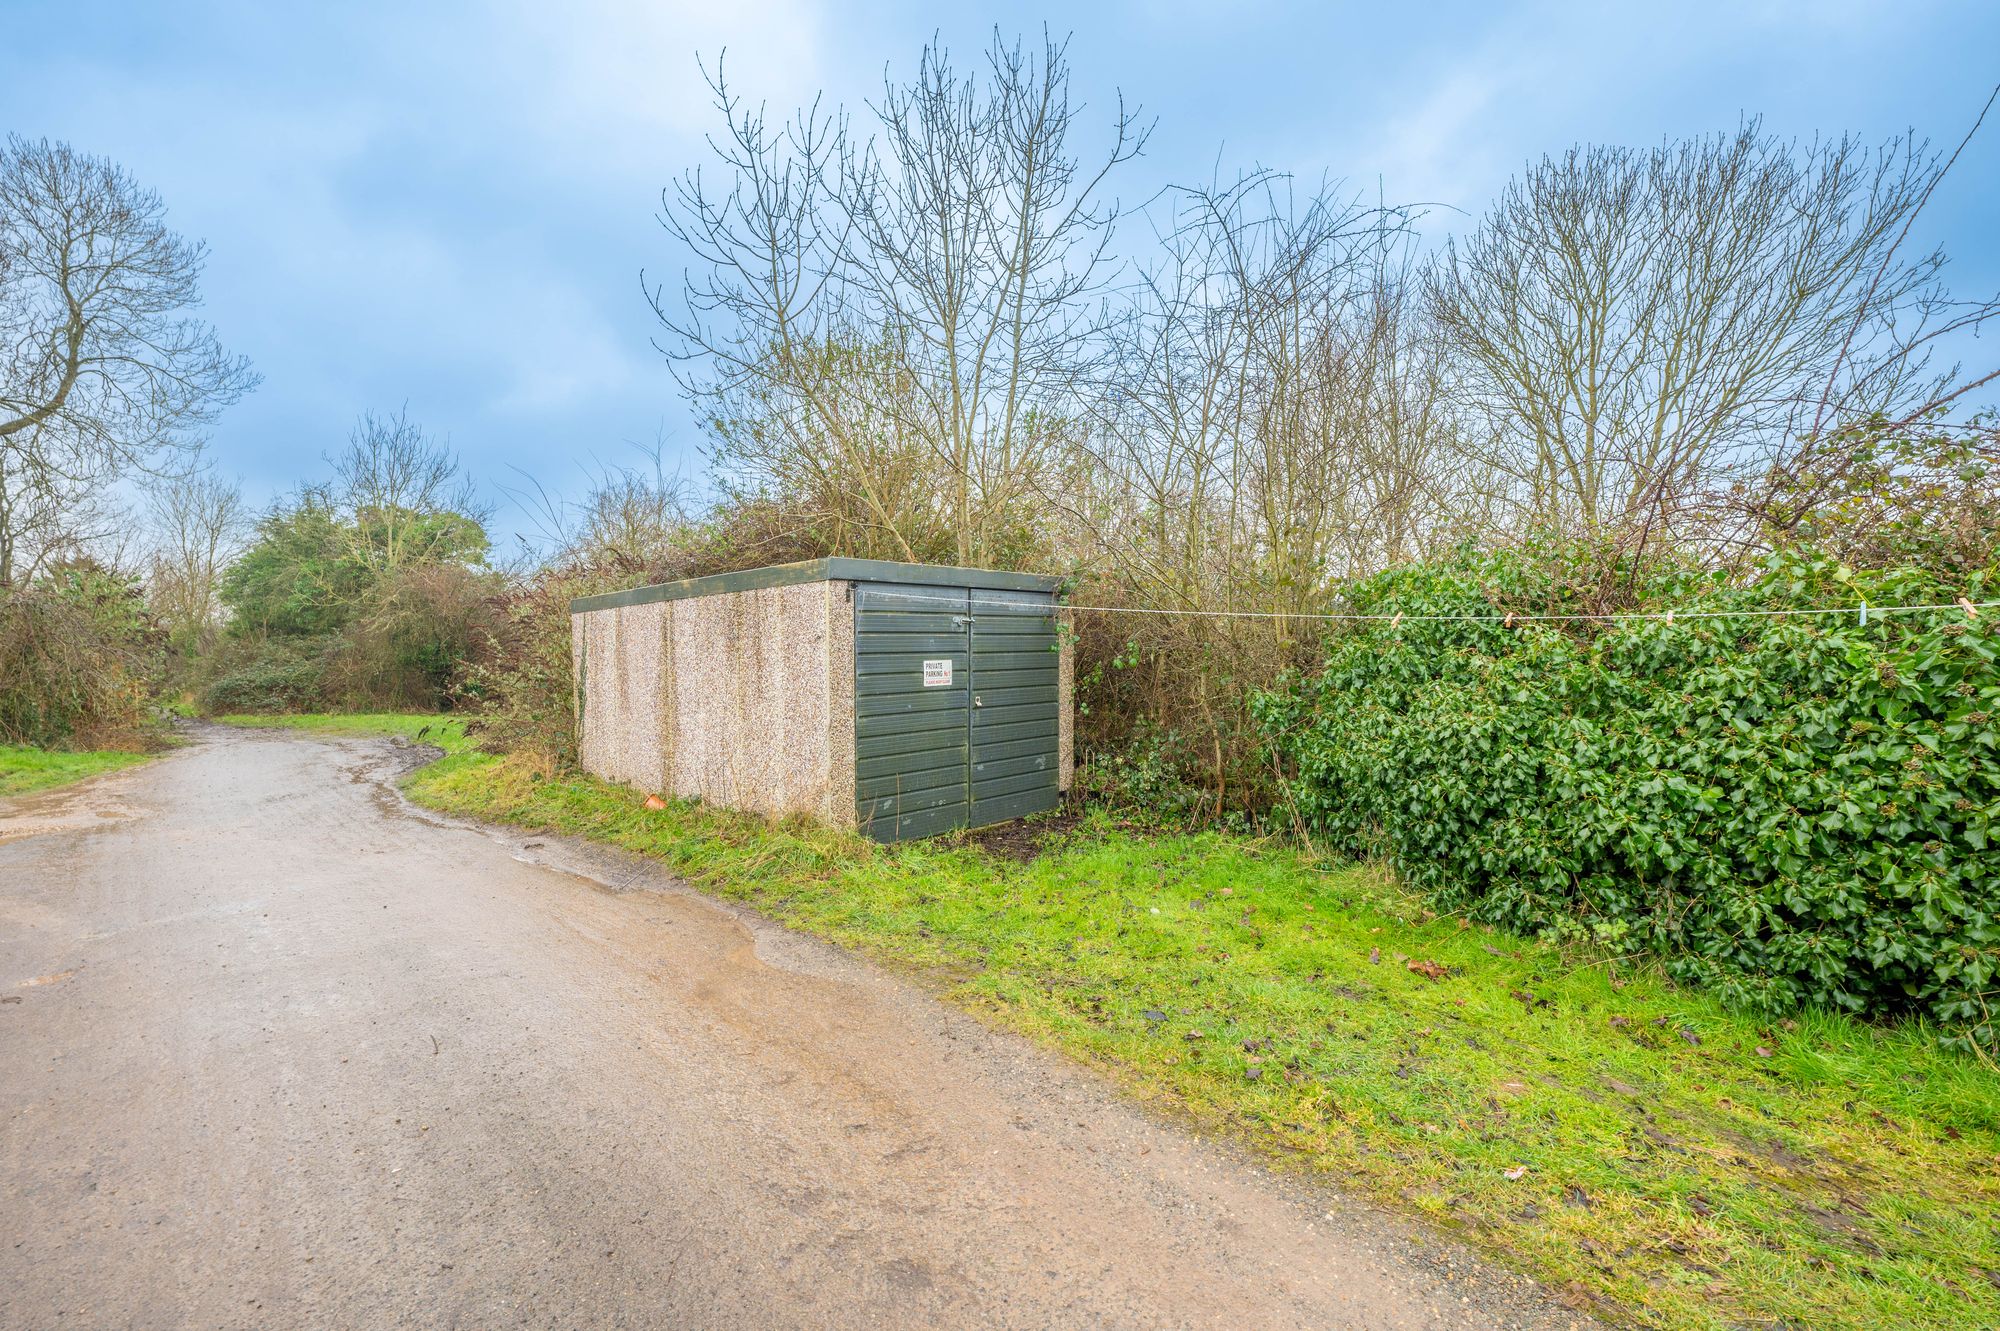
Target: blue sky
{"points": [[449, 205]]}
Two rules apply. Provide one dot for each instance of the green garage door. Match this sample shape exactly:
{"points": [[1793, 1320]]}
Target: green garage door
{"points": [[1013, 705], [954, 707]]}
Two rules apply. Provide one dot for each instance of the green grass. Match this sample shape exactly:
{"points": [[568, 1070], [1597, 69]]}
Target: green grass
{"points": [[446, 732], [24, 769], [1655, 1154]]}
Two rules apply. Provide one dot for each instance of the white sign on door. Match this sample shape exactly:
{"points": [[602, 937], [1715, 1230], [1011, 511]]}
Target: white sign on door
{"points": [[937, 674]]}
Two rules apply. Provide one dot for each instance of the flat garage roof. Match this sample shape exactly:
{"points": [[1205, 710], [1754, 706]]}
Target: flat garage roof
{"points": [[820, 570]]}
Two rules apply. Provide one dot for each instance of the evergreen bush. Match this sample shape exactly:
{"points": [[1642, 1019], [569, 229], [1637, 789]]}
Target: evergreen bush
{"points": [[1789, 809]]}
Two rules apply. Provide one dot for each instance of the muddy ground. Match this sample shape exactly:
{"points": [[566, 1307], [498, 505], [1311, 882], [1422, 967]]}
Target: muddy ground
{"points": [[277, 1050]]}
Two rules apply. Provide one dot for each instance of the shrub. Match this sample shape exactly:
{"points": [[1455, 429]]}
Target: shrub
{"points": [[77, 650], [268, 675], [1790, 809], [520, 678], [410, 638], [1154, 778]]}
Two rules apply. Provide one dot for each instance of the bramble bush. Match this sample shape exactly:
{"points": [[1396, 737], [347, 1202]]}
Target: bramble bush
{"points": [[267, 675], [1150, 780], [1788, 809], [78, 654]]}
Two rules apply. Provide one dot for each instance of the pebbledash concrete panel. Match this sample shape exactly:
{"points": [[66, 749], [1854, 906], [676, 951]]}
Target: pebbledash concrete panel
{"points": [[900, 699]]}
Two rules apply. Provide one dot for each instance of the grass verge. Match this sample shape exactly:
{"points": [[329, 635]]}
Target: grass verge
{"points": [[1652, 1152], [24, 769], [447, 733]]}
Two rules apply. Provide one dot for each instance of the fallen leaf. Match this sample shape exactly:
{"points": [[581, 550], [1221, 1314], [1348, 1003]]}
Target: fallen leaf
{"points": [[1253, 1073], [1700, 1205], [1430, 970], [1690, 1036], [1517, 1172], [655, 802], [1153, 1014], [1375, 956], [1765, 1051], [1621, 1021]]}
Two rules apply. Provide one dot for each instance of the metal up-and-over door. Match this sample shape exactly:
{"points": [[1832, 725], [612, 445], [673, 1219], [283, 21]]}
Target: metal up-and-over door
{"points": [[954, 707]]}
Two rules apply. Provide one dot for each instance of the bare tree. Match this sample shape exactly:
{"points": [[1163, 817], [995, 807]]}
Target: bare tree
{"points": [[102, 371], [1271, 422], [632, 520], [199, 522], [410, 499], [873, 487], [1637, 327], [921, 296], [1272, 417], [46, 514]]}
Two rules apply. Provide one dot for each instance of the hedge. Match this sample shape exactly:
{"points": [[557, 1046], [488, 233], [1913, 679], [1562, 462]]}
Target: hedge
{"points": [[1788, 809]]}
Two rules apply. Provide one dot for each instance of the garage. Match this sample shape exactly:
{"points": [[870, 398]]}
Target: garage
{"points": [[902, 700]]}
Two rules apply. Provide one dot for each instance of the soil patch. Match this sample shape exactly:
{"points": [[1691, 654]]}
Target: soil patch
{"points": [[1024, 839]]}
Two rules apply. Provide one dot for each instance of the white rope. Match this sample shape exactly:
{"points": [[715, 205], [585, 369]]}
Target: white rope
{"points": [[1865, 611]]}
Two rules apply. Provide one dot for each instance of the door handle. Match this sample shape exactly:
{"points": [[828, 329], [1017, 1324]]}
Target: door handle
{"points": [[976, 702]]}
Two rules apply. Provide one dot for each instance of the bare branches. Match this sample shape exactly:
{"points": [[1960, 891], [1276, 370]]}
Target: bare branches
{"points": [[1268, 409], [895, 324], [1637, 328], [910, 336], [1979, 314], [101, 369], [632, 521], [406, 491], [199, 523]]}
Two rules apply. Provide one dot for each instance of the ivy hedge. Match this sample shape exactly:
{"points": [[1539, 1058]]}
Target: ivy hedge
{"points": [[1788, 809]]}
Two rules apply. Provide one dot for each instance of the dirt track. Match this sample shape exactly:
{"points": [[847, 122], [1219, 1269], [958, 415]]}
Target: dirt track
{"points": [[286, 1053]]}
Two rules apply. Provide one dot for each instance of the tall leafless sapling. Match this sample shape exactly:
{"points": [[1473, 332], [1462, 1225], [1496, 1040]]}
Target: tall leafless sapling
{"points": [[899, 318], [409, 499], [198, 522]]}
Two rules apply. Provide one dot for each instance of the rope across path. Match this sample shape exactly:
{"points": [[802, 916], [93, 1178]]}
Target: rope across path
{"points": [[1962, 606]]}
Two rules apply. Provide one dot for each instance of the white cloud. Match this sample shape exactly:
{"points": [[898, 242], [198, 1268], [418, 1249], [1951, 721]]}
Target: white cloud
{"points": [[610, 78], [1441, 151]]}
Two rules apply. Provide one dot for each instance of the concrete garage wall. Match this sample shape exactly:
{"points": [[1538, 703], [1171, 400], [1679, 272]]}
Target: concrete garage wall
{"points": [[744, 699], [757, 689], [621, 657]]}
